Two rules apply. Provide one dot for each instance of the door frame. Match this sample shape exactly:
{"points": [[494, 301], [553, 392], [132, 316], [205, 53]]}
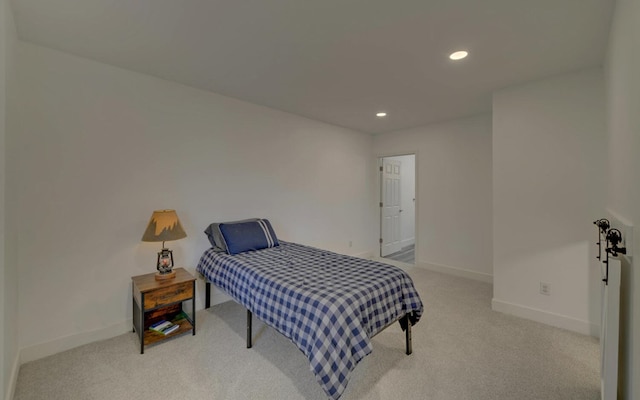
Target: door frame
{"points": [[379, 195]]}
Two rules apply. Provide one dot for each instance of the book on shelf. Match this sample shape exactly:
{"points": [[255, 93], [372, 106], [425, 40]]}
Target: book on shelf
{"points": [[164, 327]]}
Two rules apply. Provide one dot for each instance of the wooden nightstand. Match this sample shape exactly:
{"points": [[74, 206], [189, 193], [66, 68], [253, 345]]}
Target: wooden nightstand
{"points": [[154, 301]]}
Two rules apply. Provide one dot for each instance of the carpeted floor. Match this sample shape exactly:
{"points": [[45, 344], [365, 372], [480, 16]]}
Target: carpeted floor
{"points": [[461, 350]]}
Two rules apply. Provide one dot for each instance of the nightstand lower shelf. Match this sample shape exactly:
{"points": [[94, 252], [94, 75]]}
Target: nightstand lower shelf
{"points": [[167, 313]]}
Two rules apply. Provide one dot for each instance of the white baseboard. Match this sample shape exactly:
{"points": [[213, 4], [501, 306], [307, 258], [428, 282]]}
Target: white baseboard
{"points": [[46, 349], [366, 255], [219, 297], [407, 242], [461, 272], [546, 317], [55, 346], [13, 379]]}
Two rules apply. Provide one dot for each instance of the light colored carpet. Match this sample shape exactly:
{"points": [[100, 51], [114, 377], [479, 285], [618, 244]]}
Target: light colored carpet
{"points": [[461, 350]]}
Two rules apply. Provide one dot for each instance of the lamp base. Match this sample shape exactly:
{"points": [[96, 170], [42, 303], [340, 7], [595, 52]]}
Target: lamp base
{"points": [[164, 277]]}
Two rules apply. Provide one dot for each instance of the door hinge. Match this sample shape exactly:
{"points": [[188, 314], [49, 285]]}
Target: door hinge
{"points": [[381, 169], [380, 204], [380, 240]]}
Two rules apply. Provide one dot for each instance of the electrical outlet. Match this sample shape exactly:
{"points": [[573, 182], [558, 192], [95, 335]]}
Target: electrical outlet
{"points": [[350, 243], [545, 288]]}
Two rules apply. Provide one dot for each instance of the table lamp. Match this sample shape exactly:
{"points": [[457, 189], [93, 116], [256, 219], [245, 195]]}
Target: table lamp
{"points": [[164, 225]]}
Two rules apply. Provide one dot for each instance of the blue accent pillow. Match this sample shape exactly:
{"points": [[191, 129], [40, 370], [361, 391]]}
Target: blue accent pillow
{"points": [[215, 236], [246, 236]]}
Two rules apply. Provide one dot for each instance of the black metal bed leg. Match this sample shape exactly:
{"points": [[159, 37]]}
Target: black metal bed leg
{"points": [[248, 329], [407, 333], [207, 299]]}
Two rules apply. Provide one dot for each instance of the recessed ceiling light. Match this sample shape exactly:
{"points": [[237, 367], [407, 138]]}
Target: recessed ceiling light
{"points": [[458, 55], [381, 114]]}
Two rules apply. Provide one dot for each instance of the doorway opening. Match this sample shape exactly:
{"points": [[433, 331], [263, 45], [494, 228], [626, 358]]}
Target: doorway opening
{"points": [[398, 208]]}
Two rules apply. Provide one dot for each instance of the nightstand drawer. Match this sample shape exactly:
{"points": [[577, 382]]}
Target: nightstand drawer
{"points": [[169, 294]]}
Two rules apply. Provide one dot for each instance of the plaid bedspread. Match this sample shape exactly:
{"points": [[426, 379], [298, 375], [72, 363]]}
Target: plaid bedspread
{"points": [[328, 304]]}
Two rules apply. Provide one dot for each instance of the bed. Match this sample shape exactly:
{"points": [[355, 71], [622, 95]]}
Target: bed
{"points": [[329, 305]]}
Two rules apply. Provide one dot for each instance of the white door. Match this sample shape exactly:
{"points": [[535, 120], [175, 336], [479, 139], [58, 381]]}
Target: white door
{"points": [[390, 207]]}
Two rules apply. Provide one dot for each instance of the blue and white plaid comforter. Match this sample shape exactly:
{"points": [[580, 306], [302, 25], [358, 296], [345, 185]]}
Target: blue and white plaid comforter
{"points": [[328, 304]]}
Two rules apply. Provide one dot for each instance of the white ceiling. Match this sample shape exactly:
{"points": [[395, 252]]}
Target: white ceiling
{"points": [[338, 61]]}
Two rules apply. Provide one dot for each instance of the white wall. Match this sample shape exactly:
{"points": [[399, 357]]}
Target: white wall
{"points": [[8, 269], [407, 196], [623, 127], [549, 160], [99, 148], [3, 102], [453, 193]]}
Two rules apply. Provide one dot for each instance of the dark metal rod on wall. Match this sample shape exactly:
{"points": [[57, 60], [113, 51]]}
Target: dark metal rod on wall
{"points": [[603, 226]]}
